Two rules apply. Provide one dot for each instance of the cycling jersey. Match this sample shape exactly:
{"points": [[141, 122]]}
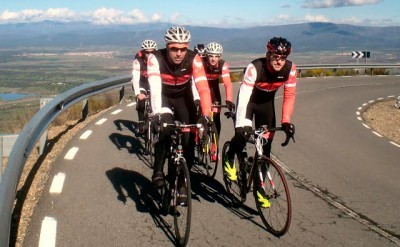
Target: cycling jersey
{"points": [[174, 80], [265, 81], [140, 81], [213, 73]]}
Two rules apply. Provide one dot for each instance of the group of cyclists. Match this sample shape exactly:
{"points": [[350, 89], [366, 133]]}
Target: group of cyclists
{"points": [[180, 82]]}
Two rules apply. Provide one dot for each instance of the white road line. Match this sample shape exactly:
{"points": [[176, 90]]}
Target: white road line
{"points": [[57, 184], [132, 104], [85, 135], [379, 99], [366, 126], [359, 108], [359, 118], [397, 145], [116, 112], [371, 101], [101, 121], [357, 113], [71, 153], [364, 104], [376, 133], [48, 232]]}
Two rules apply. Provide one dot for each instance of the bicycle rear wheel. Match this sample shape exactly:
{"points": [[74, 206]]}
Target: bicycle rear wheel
{"points": [[270, 181], [182, 212], [149, 142], [205, 160], [236, 189]]}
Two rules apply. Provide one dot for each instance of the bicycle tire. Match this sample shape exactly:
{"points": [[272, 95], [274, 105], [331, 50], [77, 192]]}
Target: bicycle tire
{"points": [[182, 213], [165, 193], [211, 166], [277, 216], [235, 189]]}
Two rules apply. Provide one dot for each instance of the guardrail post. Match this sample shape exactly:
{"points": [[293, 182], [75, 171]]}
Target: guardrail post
{"points": [[43, 138], [85, 108], [121, 94]]}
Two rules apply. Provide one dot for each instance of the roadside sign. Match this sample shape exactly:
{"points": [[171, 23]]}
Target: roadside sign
{"points": [[360, 54]]}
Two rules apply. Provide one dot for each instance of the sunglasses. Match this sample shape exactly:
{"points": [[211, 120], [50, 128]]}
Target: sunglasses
{"points": [[148, 52], [176, 49], [212, 55], [279, 57]]}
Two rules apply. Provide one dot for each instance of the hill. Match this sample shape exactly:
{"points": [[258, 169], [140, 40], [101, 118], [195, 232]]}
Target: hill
{"points": [[305, 37]]}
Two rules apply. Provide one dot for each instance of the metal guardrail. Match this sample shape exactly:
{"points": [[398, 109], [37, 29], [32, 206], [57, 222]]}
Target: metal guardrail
{"points": [[30, 135], [335, 66]]}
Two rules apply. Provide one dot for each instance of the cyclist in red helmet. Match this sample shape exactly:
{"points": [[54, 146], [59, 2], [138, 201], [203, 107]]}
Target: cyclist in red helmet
{"points": [[261, 80], [171, 72], [140, 81]]}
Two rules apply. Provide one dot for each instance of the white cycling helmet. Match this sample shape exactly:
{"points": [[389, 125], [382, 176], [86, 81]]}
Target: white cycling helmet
{"points": [[149, 44], [177, 35], [214, 48]]}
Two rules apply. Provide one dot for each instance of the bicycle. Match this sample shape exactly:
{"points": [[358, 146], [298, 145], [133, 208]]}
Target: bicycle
{"points": [[178, 171], [207, 150], [261, 173], [149, 136]]}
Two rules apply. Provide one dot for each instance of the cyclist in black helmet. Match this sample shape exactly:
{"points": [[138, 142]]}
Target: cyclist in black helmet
{"points": [[262, 78], [200, 49]]}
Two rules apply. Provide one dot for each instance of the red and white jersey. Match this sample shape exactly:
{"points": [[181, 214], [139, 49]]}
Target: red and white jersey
{"points": [[259, 74]]}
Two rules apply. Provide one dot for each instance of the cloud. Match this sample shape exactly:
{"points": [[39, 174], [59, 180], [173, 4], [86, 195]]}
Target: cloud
{"points": [[337, 3], [174, 17], [35, 15], [316, 18]]}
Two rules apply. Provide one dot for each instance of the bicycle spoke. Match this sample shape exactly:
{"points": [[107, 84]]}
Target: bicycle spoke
{"points": [[277, 216], [236, 188]]}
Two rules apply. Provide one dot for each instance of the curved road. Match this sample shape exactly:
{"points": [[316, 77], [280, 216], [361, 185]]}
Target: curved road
{"points": [[343, 180]]}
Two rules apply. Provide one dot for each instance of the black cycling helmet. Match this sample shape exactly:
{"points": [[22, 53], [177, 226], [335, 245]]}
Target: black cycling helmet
{"points": [[279, 46], [200, 49]]}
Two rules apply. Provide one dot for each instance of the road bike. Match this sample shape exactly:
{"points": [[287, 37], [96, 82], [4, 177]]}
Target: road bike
{"points": [[178, 173], [149, 135], [207, 150], [262, 175]]}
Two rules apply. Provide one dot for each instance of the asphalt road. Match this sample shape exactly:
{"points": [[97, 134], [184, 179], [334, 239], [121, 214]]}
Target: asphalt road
{"points": [[344, 181]]}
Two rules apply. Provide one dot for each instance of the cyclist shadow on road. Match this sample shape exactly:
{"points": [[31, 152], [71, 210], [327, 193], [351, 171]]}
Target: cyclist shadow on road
{"points": [[132, 144], [130, 125], [134, 186], [213, 191]]}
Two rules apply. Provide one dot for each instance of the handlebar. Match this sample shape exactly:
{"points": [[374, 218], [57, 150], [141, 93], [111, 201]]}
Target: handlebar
{"points": [[179, 125], [264, 129]]}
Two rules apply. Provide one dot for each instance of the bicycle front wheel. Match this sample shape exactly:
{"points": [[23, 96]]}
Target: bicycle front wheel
{"points": [[182, 212], [271, 193], [235, 188]]}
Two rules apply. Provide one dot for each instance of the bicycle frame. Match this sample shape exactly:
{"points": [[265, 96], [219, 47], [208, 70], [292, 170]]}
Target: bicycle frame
{"points": [[257, 138]]}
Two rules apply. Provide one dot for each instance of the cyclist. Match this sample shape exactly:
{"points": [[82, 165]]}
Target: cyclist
{"points": [[217, 68], [172, 71], [261, 80], [140, 81], [200, 49]]}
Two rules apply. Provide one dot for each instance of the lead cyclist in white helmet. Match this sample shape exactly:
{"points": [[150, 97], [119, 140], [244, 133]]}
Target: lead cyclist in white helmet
{"points": [[172, 71]]}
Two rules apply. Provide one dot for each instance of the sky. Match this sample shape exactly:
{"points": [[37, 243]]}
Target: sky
{"points": [[213, 13]]}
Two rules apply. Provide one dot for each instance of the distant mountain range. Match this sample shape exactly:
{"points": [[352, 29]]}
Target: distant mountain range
{"points": [[316, 36]]}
